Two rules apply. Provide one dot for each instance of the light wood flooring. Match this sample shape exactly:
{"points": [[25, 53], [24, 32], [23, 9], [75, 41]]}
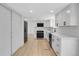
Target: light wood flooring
{"points": [[35, 47]]}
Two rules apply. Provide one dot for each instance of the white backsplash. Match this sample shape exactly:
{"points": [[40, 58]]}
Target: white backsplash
{"points": [[69, 31]]}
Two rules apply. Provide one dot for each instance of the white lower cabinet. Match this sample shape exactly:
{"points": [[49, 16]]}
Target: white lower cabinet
{"points": [[69, 47], [65, 46], [56, 45]]}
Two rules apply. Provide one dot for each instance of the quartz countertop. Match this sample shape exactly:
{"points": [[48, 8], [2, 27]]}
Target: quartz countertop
{"points": [[63, 36]]}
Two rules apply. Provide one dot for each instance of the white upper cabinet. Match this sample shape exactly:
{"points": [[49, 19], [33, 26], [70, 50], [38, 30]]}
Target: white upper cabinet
{"points": [[68, 16], [59, 20]]}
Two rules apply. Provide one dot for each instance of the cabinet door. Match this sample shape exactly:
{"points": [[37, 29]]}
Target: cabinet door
{"points": [[75, 14], [69, 47], [66, 16], [17, 32], [5, 31], [60, 21], [56, 21]]}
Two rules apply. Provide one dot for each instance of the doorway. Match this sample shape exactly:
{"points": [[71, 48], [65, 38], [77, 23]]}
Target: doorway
{"points": [[25, 31]]}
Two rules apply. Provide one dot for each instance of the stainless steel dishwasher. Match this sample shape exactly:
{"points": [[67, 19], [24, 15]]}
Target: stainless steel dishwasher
{"points": [[50, 40]]}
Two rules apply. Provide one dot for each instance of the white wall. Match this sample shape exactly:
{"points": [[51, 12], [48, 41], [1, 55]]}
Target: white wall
{"points": [[5, 31], [17, 31], [70, 31]]}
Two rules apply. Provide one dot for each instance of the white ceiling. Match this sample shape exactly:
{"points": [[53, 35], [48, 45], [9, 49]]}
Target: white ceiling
{"points": [[38, 9]]}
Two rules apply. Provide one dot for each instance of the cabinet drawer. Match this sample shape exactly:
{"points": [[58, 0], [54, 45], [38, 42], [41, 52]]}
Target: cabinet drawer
{"points": [[58, 40], [58, 48]]}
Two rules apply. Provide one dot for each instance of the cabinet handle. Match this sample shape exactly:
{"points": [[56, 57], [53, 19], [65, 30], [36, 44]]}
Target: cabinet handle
{"points": [[54, 29], [57, 24], [64, 23]]}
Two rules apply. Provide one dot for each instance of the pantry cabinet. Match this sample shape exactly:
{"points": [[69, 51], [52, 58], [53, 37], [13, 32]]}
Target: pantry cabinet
{"points": [[68, 16], [11, 31], [5, 31], [17, 31]]}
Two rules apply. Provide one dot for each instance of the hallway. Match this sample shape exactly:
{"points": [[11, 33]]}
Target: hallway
{"points": [[35, 47]]}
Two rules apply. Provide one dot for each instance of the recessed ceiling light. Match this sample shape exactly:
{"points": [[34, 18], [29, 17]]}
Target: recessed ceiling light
{"points": [[30, 11], [68, 11], [51, 11]]}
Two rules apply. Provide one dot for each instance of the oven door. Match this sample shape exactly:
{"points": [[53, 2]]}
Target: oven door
{"points": [[40, 34]]}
